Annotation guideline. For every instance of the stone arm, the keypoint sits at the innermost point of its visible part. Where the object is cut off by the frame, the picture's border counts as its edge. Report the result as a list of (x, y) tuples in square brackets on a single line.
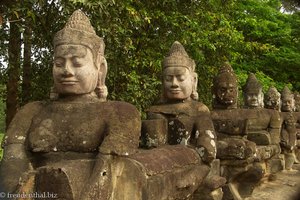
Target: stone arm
[(205, 137), (16, 161), (122, 131), (274, 130), (288, 133), (297, 118), (154, 130)]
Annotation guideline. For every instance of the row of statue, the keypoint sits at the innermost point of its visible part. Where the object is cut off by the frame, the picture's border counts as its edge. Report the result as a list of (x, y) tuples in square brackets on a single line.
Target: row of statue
[(79, 145)]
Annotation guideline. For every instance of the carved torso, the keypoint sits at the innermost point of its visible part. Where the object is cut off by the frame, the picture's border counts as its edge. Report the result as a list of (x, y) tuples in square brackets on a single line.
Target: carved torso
[(241, 131), (187, 113), (68, 127), (297, 120), (64, 126), (288, 131), (188, 123), (245, 121)]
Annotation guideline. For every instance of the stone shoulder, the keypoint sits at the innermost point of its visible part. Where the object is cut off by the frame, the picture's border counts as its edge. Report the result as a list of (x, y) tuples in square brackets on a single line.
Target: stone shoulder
[(122, 109), (18, 128), (192, 108)]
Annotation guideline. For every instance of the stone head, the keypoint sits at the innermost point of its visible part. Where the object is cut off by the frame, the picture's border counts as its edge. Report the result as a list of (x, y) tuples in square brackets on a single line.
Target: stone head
[(225, 88), (272, 99), (253, 94), (297, 101), (287, 99), (79, 63), (179, 77)]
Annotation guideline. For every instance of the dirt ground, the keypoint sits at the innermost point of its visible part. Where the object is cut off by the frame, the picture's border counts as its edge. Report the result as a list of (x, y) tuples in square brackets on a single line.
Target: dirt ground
[(284, 186)]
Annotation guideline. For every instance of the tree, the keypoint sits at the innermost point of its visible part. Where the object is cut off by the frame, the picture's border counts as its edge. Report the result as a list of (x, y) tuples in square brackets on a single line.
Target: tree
[(271, 46), (253, 35), (12, 85)]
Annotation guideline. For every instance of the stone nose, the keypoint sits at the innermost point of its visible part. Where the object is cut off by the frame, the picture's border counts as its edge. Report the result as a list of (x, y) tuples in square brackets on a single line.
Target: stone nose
[(254, 97), (68, 69), (174, 82)]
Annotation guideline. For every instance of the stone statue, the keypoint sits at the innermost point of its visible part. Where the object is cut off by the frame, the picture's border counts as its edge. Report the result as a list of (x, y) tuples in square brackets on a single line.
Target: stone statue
[(180, 119), (272, 99), (67, 141), (288, 131), (237, 154), (225, 88), (180, 109), (263, 125), (297, 121), (297, 101), (80, 146), (253, 94)]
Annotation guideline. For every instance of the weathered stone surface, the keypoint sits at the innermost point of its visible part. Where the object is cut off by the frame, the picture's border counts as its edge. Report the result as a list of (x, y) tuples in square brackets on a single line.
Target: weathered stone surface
[(177, 168), (154, 132), (247, 138), (272, 99), (286, 186), (225, 88), (266, 138), (80, 146), (166, 158), (183, 120), (288, 137), (188, 121), (252, 91), (71, 138)]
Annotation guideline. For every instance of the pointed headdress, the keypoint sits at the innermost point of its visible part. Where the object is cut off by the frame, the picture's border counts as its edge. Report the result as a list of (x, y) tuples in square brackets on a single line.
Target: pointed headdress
[(286, 93), (78, 30), (252, 84), (272, 93), (226, 74), (177, 56)]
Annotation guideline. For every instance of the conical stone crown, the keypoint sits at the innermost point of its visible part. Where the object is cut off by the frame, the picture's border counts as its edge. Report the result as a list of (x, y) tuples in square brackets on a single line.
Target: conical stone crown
[(252, 84), (79, 21), (225, 74), (177, 56), (286, 93), (79, 31), (272, 93)]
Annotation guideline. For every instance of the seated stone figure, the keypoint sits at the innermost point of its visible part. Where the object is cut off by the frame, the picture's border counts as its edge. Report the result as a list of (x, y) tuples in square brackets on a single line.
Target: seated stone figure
[(80, 146), (272, 99), (237, 154), (297, 118), (263, 125), (288, 131), (225, 97), (180, 118), (67, 139), (185, 120)]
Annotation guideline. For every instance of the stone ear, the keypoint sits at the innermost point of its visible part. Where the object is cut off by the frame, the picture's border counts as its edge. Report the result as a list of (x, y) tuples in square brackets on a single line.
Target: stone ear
[(194, 94), (101, 89)]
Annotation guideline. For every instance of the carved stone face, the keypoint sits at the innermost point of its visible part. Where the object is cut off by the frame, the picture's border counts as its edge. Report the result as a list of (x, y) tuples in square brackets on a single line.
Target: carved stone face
[(74, 71), (288, 104), (178, 83), (254, 99), (297, 102), (226, 93), (272, 102)]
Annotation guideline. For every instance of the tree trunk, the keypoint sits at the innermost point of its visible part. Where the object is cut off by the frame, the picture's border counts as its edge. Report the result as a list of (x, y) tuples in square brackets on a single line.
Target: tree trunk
[(14, 49), (26, 83)]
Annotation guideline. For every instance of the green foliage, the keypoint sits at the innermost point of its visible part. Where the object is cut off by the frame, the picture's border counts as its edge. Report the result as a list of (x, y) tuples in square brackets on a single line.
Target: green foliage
[(272, 41), (253, 35)]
